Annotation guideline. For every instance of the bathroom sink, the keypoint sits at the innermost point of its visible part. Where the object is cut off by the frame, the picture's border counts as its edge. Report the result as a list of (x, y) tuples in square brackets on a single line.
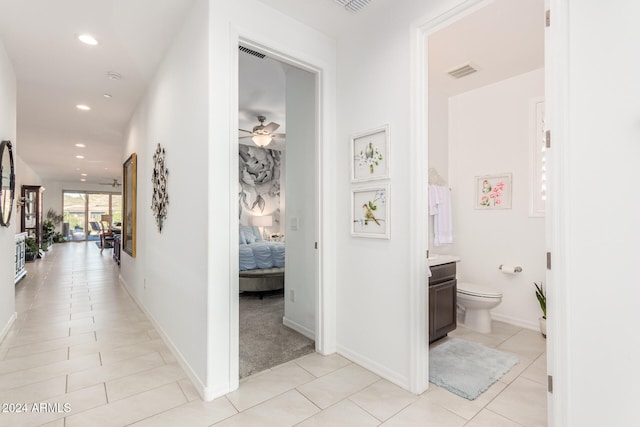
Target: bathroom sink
[(438, 259)]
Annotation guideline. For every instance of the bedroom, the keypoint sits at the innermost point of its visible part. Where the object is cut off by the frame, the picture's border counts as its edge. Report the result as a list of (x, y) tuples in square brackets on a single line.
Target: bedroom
[(276, 210)]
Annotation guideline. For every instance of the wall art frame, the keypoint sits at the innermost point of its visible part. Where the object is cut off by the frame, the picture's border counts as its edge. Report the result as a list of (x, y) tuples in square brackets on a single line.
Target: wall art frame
[(370, 212), (159, 179), (370, 155), (493, 191), (129, 201)]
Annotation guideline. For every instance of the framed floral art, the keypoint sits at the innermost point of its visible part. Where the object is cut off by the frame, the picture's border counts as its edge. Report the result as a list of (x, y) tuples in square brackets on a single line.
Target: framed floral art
[(370, 155), (493, 192), (370, 212)]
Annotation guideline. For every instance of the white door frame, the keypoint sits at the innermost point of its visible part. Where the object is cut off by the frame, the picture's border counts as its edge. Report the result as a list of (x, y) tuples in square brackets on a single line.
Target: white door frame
[(419, 244), (556, 71), (325, 304)]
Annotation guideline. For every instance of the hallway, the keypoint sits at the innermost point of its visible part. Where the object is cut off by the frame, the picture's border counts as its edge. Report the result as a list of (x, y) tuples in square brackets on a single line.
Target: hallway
[(84, 348)]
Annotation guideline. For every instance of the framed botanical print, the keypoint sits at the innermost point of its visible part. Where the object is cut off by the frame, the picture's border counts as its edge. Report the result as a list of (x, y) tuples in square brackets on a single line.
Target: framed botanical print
[(129, 174), (493, 192), (370, 212), (370, 155)]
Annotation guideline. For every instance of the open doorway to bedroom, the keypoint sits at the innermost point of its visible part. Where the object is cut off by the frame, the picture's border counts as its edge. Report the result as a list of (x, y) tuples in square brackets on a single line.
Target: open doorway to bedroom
[(277, 211)]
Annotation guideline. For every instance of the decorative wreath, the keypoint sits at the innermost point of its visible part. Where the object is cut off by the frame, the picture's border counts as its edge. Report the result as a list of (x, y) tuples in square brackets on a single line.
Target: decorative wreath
[(160, 199)]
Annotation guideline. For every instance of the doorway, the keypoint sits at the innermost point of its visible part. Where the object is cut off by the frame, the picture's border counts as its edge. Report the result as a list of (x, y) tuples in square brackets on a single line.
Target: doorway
[(278, 192), (437, 120)]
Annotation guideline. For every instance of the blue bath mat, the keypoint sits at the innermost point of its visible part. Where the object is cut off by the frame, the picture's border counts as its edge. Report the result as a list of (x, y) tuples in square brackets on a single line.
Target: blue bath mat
[(467, 368)]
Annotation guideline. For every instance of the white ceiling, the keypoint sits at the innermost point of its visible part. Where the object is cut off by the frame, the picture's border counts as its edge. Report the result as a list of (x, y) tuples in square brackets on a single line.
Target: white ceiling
[(55, 71), (262, 92), (501, 40)]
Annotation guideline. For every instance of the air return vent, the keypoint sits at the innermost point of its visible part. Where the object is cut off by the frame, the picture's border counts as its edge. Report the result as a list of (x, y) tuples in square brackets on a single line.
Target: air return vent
[(353, 5), (251, 52), (462, 71)]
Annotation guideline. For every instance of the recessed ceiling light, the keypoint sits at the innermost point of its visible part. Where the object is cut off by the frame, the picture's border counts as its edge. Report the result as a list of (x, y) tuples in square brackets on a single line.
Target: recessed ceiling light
[(83, 174), (80, 145), (83, 107), (88, 39), (107, 95), (82, 179), (79, 157), (114, 76)]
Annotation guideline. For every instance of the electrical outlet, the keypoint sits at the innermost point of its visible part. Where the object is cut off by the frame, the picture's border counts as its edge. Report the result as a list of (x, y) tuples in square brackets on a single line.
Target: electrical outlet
[(292, 295)]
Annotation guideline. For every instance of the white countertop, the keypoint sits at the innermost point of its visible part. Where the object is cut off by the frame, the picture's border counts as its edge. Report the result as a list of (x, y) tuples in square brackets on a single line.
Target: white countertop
[(438, 259)]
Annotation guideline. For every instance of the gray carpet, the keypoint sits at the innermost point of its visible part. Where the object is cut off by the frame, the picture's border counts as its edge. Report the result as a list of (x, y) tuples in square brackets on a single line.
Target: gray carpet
[(264, 341)]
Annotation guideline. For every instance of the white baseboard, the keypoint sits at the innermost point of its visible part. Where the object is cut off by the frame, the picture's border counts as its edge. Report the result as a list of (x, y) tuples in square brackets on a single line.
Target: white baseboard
[(206, 393), (299, 328), (376, 368), (7, 327), (516, 322)]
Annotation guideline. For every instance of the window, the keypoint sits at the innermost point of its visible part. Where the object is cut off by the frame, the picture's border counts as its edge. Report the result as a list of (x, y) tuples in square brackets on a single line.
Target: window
[(83, 210), (537, 159)]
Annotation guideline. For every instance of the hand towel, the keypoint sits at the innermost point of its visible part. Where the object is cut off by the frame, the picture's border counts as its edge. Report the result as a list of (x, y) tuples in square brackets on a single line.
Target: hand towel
[(440, 208)]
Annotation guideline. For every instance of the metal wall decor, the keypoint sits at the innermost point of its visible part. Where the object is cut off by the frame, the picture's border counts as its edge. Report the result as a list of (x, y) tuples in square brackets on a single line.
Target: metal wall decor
[(160, 199)]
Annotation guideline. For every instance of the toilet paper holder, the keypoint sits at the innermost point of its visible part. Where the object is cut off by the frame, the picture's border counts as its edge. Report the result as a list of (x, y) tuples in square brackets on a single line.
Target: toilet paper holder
[(510, 269)]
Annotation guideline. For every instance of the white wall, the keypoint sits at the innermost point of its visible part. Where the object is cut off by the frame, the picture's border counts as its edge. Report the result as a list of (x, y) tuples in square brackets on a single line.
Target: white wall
[(438, 154), (168, 277), (489, 134), (7, 234), (374, 287), (300, 267), (596, 138)]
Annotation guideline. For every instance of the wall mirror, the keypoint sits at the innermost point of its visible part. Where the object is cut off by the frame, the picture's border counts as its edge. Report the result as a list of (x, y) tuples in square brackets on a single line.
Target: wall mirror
[(8, 185)]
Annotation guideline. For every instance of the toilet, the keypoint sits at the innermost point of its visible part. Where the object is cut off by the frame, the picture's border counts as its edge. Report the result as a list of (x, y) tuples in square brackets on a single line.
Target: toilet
[(476, 301)]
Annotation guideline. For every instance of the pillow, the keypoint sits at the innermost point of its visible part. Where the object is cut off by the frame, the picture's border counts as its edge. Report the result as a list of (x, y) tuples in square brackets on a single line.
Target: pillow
[(250, 238), (256, 232), (251, 231), (243, 239)]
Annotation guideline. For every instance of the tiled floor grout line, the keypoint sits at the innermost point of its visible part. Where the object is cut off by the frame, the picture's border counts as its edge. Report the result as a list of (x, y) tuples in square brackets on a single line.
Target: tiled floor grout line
[(116, 310)]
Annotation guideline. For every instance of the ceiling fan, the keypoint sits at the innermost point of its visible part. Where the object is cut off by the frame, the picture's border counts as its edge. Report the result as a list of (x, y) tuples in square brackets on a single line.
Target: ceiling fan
[(262, 135), (114, 184)]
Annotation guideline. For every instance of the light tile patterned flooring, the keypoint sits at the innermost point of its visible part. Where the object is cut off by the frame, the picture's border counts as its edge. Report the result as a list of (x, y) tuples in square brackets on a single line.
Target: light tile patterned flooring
[(80, 340)]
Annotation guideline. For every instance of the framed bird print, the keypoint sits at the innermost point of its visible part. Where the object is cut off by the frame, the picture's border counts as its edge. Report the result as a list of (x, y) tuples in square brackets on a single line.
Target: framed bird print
[(370, 155), (370, 212)]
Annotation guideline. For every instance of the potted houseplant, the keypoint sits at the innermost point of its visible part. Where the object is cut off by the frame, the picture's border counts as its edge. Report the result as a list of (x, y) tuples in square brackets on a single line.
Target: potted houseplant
[(31, 249), (542, 299), (48, 231)]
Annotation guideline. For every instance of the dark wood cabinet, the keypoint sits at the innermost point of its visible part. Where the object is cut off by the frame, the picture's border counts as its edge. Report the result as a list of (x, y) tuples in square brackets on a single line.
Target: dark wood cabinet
[(442, 301), (31, 212)]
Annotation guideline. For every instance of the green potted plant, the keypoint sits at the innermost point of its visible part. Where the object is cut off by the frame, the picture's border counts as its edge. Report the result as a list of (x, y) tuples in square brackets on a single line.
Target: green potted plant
[(48, 231), (542, 299), (31, 249)]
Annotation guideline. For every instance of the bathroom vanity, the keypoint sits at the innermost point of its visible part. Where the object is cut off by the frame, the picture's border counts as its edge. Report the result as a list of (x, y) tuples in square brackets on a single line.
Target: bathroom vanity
[(442, 296)]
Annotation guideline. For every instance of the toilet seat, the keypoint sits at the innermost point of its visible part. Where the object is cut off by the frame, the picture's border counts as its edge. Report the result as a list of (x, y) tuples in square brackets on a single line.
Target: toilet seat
[(474, 290)]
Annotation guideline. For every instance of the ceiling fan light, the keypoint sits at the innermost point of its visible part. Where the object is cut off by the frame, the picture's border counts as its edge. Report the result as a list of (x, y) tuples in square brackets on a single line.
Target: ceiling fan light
[(261, 140)]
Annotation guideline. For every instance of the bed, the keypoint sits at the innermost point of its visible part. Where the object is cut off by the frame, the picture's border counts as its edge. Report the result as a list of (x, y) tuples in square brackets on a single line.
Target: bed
[(261, 262)]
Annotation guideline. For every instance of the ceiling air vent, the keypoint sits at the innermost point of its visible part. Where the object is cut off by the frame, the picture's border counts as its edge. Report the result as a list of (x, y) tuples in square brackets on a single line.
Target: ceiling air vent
[(251, 52), (353, 5), (461, 71)]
